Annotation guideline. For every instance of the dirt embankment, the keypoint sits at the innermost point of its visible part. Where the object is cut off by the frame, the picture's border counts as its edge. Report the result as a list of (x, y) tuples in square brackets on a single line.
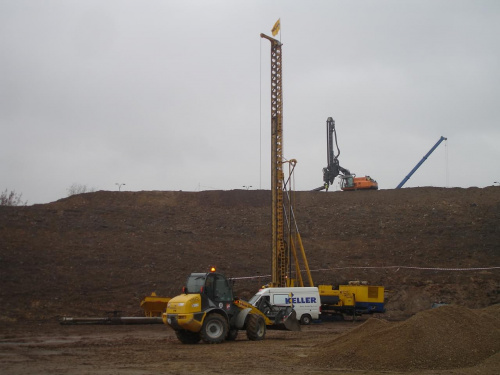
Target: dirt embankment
[(104, 251)]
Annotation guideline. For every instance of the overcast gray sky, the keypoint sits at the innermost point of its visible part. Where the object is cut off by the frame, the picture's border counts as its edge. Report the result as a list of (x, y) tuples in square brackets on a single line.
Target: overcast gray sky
[(174, 95)]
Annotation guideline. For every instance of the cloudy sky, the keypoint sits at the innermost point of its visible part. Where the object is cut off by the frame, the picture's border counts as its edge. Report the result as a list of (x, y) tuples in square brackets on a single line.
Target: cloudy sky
[(174, 95)]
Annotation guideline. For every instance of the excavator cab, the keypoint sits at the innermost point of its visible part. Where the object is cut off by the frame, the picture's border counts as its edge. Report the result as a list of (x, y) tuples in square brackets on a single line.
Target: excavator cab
[(351, 182), (347, 182)]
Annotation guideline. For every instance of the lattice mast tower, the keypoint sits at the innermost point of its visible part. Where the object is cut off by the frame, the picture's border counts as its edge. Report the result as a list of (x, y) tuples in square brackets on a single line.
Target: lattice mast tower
[(282, 251), (280, 258)]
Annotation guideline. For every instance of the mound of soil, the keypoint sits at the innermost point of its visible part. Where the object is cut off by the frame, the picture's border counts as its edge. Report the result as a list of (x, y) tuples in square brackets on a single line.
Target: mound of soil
[(443, 338), (104, 251)]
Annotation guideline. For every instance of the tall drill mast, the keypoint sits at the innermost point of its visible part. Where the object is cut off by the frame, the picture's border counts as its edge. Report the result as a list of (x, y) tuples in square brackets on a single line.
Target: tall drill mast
[(280, 258)]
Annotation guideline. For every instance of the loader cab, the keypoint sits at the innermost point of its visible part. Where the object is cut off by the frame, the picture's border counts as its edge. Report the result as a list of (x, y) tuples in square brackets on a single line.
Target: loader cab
[(212, 286)]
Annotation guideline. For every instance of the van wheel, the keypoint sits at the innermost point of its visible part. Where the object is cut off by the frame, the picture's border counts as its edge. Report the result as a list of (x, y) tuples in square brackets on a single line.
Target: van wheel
[(256, 327), (214, 329), (305, 319)]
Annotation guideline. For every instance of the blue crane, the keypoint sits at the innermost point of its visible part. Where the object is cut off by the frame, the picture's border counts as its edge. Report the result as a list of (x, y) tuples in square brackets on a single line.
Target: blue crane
[(420, 162)]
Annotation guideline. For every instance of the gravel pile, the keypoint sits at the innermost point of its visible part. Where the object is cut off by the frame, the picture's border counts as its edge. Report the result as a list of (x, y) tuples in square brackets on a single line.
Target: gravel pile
[(443, 338)]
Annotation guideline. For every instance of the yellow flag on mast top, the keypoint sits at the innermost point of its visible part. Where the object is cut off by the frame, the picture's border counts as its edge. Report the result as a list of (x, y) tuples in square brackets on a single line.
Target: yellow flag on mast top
[(276, 27)]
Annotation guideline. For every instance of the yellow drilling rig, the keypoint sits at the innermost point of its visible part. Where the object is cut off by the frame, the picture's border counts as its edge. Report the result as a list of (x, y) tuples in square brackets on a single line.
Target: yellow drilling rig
[(285, 235), (354, 298)]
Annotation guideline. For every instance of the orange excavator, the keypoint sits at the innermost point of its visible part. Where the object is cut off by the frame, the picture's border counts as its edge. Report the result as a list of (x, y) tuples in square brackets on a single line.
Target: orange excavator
[(348, 180)]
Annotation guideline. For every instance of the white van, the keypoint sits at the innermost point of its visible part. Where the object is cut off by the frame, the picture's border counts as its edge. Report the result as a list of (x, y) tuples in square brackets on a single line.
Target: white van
[(304, 300)]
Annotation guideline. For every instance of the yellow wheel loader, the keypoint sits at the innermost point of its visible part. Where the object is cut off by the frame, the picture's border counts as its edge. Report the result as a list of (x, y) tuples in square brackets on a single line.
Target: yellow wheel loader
[(208, 312)]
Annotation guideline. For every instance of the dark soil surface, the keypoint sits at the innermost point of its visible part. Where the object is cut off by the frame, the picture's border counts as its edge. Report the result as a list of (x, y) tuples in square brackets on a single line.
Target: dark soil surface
[(105, 251)]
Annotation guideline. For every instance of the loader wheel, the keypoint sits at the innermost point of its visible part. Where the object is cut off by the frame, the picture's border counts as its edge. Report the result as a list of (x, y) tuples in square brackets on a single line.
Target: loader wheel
[(256, 327), (215, 329), (188, 337), (232, 334)]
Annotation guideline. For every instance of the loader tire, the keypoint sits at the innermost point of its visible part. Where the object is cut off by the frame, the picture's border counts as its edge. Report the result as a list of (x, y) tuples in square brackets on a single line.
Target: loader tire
[(188, 337), (256, 327), (214, 329)]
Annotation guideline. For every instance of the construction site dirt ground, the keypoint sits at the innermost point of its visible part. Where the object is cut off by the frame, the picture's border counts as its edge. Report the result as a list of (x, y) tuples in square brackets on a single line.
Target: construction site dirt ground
[(154, 349), (93, 253)]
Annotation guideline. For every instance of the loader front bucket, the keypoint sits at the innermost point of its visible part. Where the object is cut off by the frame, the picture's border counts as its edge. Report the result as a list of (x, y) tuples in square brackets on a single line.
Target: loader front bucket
[(286, 320), (291, 323)]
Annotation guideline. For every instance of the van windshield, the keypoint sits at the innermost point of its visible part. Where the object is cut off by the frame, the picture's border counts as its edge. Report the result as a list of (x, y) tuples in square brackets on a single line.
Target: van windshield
[(254, 299)]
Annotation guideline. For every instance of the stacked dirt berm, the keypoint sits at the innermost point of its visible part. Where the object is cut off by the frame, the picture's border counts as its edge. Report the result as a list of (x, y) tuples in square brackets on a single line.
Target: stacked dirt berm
[(446, 337)]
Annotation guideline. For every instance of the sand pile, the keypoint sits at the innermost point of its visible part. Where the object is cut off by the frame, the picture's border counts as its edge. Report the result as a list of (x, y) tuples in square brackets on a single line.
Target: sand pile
[(443, 338)]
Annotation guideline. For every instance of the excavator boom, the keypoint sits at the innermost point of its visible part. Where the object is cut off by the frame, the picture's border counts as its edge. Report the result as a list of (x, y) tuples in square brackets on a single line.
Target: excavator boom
[(333, 168)]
